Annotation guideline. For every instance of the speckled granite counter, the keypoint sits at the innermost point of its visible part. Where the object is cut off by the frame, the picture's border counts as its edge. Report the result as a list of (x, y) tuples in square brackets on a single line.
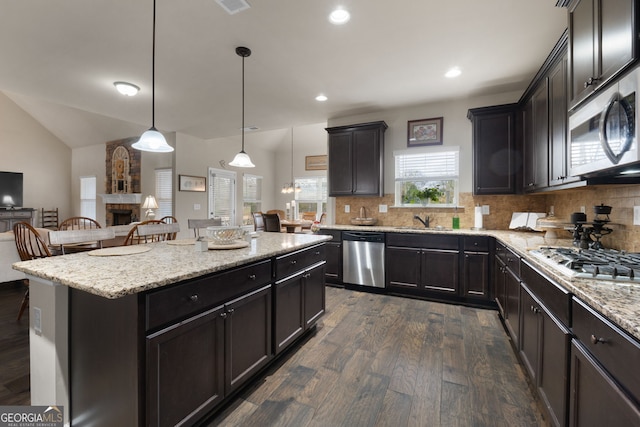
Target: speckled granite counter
[(618, 301), (164, 264)]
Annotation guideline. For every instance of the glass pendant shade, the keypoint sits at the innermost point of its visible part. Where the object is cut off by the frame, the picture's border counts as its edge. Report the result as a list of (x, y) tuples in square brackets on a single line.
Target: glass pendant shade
[(153, 141), (242, 160)]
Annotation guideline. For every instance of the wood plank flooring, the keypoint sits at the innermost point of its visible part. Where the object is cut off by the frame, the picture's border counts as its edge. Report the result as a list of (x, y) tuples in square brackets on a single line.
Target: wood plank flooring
[(373, 360)]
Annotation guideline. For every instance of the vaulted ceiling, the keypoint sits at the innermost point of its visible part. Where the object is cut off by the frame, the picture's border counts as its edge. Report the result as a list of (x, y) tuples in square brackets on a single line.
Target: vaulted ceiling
[(60, 59)]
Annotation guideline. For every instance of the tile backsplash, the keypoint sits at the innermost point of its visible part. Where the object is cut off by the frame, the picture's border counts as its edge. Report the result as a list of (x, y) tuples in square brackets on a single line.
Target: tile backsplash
[(622, 198)]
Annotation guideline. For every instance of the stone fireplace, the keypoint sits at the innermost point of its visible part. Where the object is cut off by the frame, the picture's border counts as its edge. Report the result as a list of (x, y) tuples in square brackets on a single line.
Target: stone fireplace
[(122, 199)]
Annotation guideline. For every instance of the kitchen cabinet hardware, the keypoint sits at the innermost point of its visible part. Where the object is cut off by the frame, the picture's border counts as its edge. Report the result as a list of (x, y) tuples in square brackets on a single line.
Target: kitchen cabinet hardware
[(223, 314), (595, 340), (591, 81), (194, 298), (251, 277)]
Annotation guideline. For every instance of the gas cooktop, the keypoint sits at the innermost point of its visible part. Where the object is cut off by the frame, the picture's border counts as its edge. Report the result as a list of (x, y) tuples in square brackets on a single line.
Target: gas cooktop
[(603, 264)]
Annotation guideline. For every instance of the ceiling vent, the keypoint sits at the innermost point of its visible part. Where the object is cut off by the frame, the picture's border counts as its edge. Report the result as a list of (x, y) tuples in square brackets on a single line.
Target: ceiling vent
[(233, 6)]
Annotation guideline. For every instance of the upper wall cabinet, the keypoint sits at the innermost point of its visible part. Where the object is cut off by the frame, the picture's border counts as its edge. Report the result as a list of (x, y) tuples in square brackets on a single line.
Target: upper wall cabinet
[(497, 162), (602, 42), (356, 157)]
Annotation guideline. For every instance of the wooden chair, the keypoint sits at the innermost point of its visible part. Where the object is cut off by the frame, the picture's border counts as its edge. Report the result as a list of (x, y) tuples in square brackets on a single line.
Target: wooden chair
[(170, 220), (258, 221), (151, 231), (323, 218), (49, 218), (80, 240), (197, 224), (272, 222), (79, 223), (280, 213), (30, 245)]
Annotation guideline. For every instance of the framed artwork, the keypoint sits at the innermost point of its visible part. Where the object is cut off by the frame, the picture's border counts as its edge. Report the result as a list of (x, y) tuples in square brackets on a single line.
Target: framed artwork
[(424, 132), (315, 163), (192, 183)]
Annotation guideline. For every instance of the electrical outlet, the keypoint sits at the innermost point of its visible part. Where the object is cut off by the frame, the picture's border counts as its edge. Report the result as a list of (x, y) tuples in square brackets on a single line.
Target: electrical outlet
[(37, 320), (382, 208), (486, 210), (347, 208), (636, 215), (583, 209), (196, 206)]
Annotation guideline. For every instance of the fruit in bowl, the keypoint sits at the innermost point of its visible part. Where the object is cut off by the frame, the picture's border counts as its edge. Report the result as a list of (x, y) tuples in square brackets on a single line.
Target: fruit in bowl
[(224, 235)]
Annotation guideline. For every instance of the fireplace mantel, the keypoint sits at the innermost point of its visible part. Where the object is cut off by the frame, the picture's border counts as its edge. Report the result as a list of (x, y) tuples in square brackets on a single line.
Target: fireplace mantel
[(122, 198)]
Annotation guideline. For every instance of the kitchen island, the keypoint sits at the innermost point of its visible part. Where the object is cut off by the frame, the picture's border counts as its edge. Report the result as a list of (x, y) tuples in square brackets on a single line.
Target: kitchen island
[(167, 335)]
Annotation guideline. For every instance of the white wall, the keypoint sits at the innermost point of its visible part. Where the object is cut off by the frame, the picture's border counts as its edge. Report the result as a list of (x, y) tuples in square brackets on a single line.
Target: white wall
[(29, 148)]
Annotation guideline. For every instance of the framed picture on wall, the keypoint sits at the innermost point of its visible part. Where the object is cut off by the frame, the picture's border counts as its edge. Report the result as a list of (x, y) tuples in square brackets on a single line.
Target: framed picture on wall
[(192, 183), (424, 132), (315, 163)]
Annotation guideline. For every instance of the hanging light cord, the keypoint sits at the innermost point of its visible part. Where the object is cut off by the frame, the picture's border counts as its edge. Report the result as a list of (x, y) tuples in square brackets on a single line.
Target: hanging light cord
[(243, 103), (153, 71), (292, 182)]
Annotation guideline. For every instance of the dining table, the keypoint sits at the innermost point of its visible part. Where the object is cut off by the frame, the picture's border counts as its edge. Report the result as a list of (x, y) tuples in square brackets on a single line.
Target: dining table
[(292, 225)]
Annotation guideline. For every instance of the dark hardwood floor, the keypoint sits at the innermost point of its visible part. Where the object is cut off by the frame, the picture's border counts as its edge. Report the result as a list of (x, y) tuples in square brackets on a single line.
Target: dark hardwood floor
[(373, 360)]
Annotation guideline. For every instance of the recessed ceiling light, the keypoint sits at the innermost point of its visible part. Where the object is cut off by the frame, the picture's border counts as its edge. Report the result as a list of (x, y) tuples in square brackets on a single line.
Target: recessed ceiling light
[(339, 16), (321, 98), (453, 72), (127, 89)]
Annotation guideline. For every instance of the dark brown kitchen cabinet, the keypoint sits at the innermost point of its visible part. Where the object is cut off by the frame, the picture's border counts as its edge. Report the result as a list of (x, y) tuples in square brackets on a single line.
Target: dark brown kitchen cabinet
[(439, 271), (536, 139), (497, 160), (356, 159), (507, 288), (333, 268), (602, 43), (476, 274), (194, 364)]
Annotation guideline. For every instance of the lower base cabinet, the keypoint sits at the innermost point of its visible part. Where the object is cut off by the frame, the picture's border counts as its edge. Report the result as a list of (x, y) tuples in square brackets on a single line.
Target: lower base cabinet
[(193, 365)]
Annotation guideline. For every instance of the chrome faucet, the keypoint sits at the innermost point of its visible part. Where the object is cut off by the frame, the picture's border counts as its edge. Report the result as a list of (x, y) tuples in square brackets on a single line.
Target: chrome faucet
[(424, 221)]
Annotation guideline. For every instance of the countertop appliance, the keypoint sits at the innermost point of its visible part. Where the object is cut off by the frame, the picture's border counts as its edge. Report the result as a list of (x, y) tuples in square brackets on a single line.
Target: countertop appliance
[(603, 132), (603, 264), (363, 258)]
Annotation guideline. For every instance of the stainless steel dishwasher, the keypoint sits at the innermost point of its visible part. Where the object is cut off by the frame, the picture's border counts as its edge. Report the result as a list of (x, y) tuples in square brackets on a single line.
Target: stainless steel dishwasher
[(363, 258)]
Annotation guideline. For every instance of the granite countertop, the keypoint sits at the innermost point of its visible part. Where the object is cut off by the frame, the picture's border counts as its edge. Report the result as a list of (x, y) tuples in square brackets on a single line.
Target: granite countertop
[(618, 301), (164, 264)]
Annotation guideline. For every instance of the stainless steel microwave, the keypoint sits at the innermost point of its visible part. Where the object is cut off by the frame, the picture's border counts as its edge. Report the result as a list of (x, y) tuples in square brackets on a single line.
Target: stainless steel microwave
[(603, 132)]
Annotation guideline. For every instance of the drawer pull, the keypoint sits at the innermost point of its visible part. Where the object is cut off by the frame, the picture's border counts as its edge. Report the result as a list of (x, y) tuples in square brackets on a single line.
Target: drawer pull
[(536, 310), (294, 262), (223, 315), (194, 298), (595, 340), (230, 311), (252, 277), (317, 252)]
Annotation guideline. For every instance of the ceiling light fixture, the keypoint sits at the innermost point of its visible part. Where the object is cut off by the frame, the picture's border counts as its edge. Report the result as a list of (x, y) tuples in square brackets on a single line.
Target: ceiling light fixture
[(127, 89), (242, 159), (321, 98), (453, 72), (290, 187), (152, 140), (339, 16)]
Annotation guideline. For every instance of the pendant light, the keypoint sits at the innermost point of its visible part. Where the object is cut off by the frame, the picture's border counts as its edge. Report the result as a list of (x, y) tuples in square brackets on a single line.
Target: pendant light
[(242, 160), (290, 187), (152, 140)]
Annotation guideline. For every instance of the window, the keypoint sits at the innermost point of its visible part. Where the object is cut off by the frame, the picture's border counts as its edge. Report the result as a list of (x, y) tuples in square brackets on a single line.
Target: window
[(222, 190), (421, 170), (88, 196), (164, 192), (251, 197), (312, 196)]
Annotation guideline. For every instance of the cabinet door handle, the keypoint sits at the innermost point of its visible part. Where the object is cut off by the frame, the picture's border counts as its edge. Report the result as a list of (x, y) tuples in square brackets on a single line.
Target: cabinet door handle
[(230, 311), (252, 277), (194, 298), (591, 81), (306, 276), (534, 309), (595, 340), (223, 315)]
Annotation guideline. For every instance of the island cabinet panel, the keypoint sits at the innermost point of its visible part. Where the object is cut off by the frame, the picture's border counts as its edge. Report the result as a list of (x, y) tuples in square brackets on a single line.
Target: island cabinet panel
[(299, 296), (333, 249), (439, 272), (186, 369), (356, 159), (476, 274), (507, 288)]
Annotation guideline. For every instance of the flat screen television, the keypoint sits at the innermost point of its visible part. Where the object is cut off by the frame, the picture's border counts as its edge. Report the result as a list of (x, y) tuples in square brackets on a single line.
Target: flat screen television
[(11, 189)]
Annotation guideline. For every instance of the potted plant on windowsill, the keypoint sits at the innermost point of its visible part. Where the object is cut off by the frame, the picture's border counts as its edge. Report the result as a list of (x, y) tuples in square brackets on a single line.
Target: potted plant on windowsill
[(425, 196)]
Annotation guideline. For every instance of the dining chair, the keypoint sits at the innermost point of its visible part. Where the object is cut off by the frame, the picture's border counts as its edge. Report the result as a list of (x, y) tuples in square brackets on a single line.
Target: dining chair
[(272, 222), (280, 213), (170, 220), (323, 218), (80, 240), (30, 245), (151, 231), (197, 224), (49, 218), (79, 223), (309, 216), (258, 221)]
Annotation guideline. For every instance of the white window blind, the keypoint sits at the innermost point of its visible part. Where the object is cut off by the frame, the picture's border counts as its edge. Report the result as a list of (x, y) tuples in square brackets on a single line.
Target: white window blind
[(437, 165), (252, 197), (164, 192), (222, 195), (88, 196)]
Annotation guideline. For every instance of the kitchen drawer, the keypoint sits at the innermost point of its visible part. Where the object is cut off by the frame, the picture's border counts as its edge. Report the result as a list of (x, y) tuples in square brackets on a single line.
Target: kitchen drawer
[(184, 299), (554, 297), (428, 241), (289, 264), (336, 234), (616, 351), (508, 257), (476, 243)]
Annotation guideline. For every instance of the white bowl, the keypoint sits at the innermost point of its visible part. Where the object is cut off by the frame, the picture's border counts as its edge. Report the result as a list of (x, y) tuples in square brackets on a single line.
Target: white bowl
[(224, 235)]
